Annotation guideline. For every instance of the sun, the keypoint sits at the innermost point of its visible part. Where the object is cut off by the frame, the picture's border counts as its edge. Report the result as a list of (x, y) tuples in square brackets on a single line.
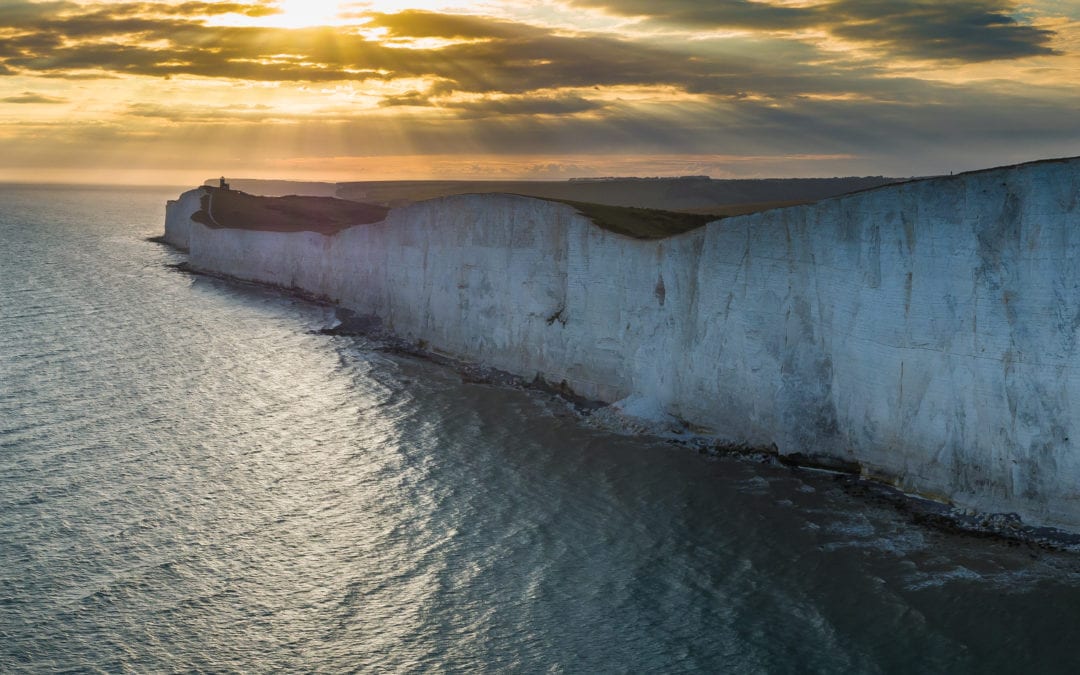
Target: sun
[(310, 13), (304, 13)]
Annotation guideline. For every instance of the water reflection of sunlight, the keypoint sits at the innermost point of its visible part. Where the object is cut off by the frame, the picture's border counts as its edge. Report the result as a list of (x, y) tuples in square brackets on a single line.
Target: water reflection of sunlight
[(322, 472)]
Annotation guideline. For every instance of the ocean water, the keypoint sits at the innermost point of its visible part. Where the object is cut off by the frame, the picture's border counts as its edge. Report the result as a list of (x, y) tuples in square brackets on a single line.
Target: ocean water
[(193, 480)]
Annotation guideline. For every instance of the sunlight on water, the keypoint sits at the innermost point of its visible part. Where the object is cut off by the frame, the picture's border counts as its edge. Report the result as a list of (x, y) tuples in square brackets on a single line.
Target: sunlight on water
[(192, 479)]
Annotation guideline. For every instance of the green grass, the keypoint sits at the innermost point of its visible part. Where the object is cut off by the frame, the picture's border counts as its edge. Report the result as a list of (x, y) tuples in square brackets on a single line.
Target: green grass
[(640, 223), (740, 209), (203, 214), (325, 215)]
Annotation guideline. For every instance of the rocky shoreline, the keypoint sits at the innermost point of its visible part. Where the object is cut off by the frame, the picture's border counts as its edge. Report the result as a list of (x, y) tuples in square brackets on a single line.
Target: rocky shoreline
[(1007, 527)]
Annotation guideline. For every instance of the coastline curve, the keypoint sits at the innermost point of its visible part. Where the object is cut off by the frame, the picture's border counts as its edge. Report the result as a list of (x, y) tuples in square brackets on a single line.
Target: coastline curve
[(925, 332)]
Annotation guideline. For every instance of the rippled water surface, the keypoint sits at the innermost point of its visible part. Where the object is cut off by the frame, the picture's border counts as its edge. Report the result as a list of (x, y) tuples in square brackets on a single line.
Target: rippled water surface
[(190, 479)]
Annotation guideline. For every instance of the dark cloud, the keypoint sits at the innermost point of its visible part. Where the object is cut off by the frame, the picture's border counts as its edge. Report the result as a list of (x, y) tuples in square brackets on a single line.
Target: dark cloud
[(29, 43), (262, 8), (528, 105), (961, 30), (522, 88), (62, 39), (746, 14), (204, 114), (502, 106), (16, 12), (411, 98), (31, 97), (507, 59), (948, 30), (418, 23), (70, 18), (227, 62)]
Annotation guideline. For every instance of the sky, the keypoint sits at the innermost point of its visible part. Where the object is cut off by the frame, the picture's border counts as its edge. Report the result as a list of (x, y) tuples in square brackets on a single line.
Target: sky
[(174, 92)]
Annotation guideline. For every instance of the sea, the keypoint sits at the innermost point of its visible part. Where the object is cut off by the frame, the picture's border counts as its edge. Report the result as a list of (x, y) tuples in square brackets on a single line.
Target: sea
[(194, 479)]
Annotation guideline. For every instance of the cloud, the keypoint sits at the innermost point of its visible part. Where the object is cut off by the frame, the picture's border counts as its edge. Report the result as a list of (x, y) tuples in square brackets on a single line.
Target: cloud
[(411, 98), (527, 105), (253, 9), (413, 23), (489, 56), (511, 58), (13, 11), (31, 97), (466, 84), (206, 114), (745, 14), (961, 30), (502, 106), (947, 30), (963, 129)]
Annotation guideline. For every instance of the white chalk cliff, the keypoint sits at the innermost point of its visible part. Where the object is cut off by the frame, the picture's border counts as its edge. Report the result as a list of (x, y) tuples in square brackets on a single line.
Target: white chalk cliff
[(927, 331)]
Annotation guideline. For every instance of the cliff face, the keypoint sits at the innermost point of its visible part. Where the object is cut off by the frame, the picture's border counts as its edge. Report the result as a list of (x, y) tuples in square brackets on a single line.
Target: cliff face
[(927, 331), (178, 221)]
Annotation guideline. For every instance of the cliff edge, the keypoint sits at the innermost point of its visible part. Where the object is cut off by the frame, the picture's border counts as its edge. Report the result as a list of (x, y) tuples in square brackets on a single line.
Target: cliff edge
[(926, 332)]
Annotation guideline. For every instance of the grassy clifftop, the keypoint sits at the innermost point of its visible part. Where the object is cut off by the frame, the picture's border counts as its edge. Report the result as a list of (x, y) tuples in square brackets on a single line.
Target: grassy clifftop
[(328, 215), (640, 223), (325, 215), (695, 194), (643, 208)]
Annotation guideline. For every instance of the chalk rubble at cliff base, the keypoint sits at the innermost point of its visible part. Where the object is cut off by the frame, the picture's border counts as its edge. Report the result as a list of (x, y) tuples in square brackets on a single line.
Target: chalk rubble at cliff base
[(925, 332)]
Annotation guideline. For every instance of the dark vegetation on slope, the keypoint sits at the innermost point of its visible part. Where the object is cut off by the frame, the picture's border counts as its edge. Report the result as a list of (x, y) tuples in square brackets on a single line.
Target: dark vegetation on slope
[(292, 213), (643, 208), (691, 193), (327, 215), (640, 223)]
